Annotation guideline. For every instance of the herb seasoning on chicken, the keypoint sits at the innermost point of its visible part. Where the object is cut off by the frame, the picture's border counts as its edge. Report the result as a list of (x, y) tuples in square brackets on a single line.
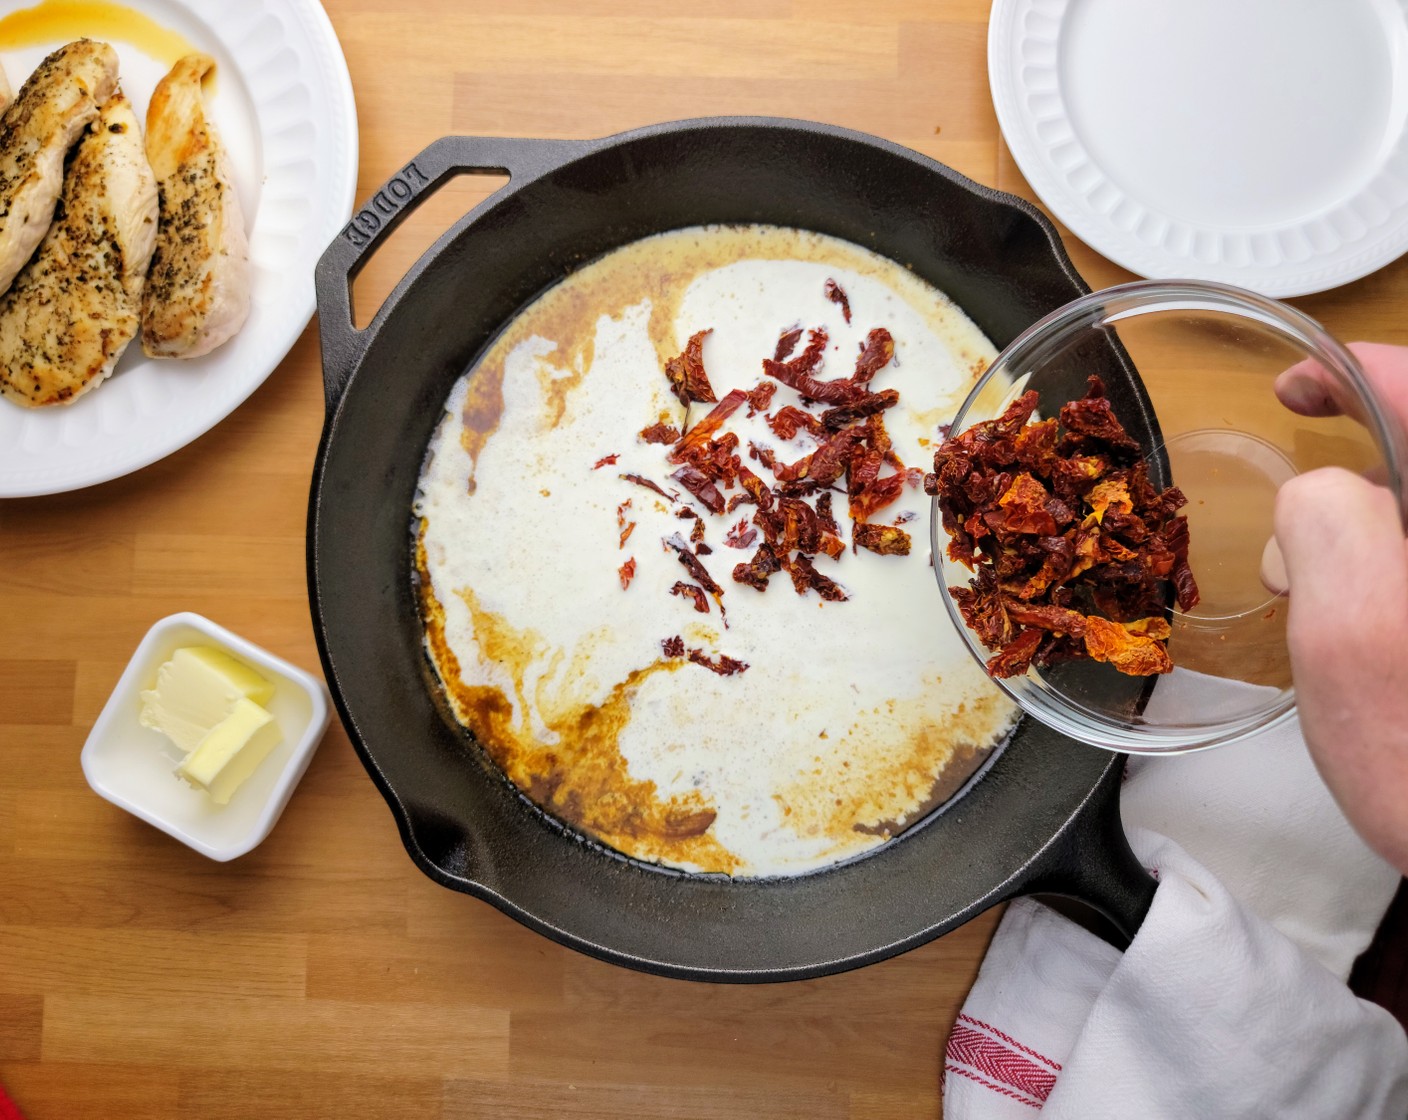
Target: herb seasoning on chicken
[(197, 294), (72, 310), (54, 106)]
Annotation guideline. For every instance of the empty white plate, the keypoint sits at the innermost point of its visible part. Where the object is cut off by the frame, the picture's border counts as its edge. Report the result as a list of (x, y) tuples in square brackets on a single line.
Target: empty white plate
[(1257, 142)]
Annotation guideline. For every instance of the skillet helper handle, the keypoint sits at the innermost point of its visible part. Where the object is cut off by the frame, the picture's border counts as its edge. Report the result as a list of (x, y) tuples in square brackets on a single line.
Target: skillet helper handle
[(1093, 863), (342, 343)]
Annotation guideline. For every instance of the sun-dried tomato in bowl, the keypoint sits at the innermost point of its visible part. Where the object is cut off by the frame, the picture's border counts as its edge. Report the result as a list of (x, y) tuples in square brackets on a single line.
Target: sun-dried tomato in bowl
[(1075, 553)]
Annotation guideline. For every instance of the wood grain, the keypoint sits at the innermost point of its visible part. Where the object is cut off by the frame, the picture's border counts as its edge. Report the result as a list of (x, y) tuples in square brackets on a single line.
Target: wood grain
[(323, 975)]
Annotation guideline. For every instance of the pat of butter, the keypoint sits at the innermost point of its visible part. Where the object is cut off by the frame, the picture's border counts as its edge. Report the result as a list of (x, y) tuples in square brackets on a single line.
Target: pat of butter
[(232, 751), (196, 690)]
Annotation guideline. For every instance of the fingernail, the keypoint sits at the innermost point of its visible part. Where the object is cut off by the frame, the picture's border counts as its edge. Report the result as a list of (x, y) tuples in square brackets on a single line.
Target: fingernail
[(1305, 396), (1273, 568)]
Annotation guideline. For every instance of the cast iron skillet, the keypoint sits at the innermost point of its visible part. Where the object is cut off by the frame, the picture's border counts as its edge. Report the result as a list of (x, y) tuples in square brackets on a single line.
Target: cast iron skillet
[(1044, 815)]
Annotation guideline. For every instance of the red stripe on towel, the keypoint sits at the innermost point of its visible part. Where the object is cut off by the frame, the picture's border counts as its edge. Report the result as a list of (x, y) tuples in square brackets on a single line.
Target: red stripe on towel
[(999, 1061), (1009, 1039), (995, 1088)]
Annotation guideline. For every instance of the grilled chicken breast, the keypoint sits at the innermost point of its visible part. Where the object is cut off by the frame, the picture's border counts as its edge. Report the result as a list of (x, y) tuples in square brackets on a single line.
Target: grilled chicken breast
[(75, 306), (6, 93), (54, 105), (197, 295)]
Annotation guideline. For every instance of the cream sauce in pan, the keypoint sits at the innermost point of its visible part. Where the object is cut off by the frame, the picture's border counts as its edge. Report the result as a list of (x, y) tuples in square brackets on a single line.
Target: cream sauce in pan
[(852, 719)]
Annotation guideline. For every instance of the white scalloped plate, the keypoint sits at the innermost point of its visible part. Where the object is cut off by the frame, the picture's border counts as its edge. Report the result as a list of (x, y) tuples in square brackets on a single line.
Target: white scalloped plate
[(1261, 143), (283, 104)]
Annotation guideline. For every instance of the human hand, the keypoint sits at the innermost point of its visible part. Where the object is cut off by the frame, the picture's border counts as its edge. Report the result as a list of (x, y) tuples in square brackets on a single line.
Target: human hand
[(1347, 567)]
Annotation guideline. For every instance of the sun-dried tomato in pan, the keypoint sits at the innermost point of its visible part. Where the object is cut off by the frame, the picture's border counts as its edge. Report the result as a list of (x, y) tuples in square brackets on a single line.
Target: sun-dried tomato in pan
[(1075, 553), (852, 455), (686, 373)]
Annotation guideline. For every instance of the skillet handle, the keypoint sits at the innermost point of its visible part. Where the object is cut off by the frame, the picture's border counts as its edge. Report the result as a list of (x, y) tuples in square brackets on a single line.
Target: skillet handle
[(342, 343), (1091, 861)]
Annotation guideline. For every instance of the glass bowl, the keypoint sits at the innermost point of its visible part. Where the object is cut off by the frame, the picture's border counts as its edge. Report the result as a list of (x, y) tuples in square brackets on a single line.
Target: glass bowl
[(1191, 369)]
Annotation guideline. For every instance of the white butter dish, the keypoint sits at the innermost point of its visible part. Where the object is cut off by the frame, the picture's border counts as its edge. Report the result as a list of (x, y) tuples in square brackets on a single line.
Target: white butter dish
[(134, 767)]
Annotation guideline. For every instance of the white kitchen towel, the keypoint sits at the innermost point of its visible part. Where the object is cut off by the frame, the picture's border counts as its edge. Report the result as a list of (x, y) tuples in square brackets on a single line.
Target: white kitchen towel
[(1231, 1002)]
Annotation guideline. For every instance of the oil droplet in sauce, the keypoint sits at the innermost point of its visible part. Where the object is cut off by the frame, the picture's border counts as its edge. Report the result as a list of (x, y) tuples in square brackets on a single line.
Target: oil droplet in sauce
[(56, 21)]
